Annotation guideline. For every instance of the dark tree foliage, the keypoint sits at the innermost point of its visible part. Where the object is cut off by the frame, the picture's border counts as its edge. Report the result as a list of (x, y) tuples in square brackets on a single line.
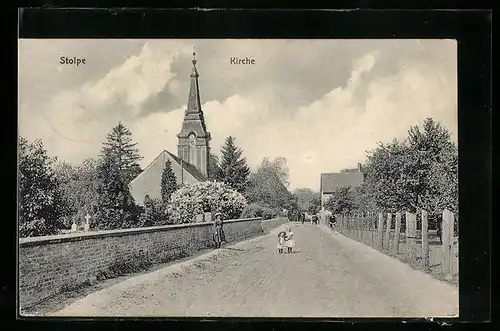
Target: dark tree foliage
[(154, 213), (214, 169), (234, 168), (168, 182), (117, 167), (40, 200)]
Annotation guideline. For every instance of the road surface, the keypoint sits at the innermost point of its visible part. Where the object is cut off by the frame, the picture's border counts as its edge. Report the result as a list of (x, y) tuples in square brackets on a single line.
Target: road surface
[(328, 276)]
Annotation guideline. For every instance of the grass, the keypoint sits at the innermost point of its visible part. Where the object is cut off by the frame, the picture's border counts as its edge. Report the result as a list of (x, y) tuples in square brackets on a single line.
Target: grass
[(435, 255)]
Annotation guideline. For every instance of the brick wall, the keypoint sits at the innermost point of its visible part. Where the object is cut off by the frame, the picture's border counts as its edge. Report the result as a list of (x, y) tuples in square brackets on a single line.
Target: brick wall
[(51, 264)]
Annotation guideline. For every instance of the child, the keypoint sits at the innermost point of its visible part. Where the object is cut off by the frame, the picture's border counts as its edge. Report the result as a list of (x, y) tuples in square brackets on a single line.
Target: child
[(281, 241), (289, 241)]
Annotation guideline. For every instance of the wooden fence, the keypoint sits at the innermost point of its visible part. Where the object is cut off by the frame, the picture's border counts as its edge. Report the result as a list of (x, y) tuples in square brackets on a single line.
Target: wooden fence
[(407, 237)]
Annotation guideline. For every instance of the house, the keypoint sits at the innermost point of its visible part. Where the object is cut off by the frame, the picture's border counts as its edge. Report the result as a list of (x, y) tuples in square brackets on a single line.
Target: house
[(329, 182), (191, 163)]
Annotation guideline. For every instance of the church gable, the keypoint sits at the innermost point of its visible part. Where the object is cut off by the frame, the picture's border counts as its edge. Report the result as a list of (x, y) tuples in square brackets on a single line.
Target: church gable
[(149, 181)]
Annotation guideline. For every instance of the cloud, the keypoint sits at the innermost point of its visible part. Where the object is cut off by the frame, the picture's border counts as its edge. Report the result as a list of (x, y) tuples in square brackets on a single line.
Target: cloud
[(296, 106), (74, 122)]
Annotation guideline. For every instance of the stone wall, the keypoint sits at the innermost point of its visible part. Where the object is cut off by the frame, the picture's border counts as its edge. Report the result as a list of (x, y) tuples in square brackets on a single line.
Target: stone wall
[(268, 225), (52, 264)]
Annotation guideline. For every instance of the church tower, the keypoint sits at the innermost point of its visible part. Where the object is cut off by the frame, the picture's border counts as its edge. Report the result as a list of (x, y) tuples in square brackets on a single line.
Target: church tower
[(194, 139)]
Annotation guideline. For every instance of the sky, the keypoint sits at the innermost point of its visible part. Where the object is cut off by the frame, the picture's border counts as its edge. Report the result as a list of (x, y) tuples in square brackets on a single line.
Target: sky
[(321, 104)]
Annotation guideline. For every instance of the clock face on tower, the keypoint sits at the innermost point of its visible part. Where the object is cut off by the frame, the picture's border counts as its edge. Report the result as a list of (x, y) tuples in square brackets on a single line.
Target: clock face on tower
[(192, 139)]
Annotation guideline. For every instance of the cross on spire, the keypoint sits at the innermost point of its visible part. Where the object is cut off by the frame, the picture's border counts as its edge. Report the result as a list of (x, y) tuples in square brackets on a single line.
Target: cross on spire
[(194, 56)]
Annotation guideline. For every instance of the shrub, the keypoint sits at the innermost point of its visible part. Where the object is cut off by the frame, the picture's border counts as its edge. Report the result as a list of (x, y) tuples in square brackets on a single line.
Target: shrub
[(256, 210), (155, 213), (191, 200)]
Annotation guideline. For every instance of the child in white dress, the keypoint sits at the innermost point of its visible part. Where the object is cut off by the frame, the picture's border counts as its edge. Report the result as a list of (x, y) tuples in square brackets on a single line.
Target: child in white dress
[(281, 241), (289, 240)]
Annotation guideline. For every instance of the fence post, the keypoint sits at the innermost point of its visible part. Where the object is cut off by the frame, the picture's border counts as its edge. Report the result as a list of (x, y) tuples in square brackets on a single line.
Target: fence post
[(447, 234), (355, 227), (358, 217), (388, 231), (397, 230), (411, 234), (365, 226), (372, 229), (425, 239), (380, 230)]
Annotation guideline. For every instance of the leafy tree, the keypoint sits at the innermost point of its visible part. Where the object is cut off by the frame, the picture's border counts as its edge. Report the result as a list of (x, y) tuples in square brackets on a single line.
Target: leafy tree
[(363, 201), (214, 169), (168, 182), (314, 205), (40, 200), (306, 198), (417, 173), (79, 185), (341, 201), (267, 186), (437, 174), (388, 176), (117, 167), (234, 169)]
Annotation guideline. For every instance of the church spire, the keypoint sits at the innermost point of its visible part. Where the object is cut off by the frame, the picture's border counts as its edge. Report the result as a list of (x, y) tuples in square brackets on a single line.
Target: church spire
[(194, 103), (194, 139)]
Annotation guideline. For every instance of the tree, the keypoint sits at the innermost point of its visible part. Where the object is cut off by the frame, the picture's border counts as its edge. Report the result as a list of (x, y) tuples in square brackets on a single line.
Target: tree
[(234, 169), (40, 201), (307, 199), (168, 182), (437, 174), (267, 188), (214, 169), (79, 185), (314, 205), (117, 167), (417, 173), (341, 201), (122, 152)]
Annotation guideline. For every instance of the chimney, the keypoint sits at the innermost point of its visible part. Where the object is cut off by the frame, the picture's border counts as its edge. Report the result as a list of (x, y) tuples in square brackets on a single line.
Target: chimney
[(359, 167)]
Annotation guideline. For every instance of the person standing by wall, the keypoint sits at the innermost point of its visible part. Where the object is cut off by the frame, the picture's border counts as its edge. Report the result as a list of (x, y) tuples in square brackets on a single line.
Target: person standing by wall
[(219, 227)]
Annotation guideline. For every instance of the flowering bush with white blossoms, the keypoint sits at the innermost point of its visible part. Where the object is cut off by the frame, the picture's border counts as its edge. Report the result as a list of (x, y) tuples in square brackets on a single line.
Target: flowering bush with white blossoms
[(191, 200)]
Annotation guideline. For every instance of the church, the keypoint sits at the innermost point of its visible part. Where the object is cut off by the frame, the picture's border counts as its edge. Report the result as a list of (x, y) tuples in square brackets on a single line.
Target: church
[(190, 165)]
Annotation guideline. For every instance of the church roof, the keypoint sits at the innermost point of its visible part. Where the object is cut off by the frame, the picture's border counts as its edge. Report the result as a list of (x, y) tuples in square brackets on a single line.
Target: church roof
[(148, 182), (332, 181), (191, 169)]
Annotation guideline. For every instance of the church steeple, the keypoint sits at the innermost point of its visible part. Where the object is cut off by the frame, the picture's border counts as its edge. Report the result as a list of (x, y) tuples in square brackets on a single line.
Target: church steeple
[(194, 103), (194, 138)]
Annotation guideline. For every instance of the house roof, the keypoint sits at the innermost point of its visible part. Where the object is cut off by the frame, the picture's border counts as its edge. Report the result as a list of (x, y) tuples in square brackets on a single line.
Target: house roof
[(332, 181)]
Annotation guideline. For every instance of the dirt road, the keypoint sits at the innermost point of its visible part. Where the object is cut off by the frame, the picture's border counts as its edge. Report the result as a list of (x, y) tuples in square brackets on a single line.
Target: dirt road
[(328, 276)]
